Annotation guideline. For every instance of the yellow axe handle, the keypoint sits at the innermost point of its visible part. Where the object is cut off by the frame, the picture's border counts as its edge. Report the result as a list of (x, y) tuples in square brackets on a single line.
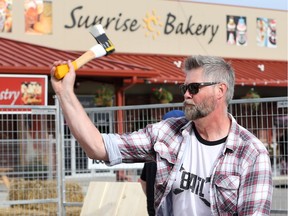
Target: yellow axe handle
[(94, 52)]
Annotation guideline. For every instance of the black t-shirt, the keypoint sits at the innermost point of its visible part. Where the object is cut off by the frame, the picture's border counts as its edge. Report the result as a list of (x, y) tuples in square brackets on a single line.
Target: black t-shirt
[(148, 174)]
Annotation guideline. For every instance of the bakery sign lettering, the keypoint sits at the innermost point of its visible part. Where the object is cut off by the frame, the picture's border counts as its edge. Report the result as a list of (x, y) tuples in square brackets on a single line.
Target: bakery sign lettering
[(169, 25), (23, 90)]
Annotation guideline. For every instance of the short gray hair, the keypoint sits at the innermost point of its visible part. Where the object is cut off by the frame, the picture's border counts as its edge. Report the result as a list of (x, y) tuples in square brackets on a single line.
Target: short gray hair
[(215, 69)]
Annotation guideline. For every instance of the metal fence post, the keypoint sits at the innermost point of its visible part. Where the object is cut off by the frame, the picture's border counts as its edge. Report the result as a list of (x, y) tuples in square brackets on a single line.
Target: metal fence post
[(59, 124)]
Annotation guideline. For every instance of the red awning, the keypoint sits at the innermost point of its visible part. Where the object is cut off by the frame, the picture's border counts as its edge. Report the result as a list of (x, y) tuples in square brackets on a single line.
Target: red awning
[(23, 58)]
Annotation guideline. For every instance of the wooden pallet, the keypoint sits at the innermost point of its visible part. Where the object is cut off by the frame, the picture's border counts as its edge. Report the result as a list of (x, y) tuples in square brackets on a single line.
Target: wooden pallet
[(114, 198)]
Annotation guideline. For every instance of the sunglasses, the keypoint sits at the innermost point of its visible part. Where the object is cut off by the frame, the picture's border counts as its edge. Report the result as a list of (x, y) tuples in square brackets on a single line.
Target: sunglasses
[(193, 88)]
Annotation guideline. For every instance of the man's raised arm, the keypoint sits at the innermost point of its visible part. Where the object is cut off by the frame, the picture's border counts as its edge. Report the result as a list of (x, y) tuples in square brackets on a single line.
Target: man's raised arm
[(77, 119)]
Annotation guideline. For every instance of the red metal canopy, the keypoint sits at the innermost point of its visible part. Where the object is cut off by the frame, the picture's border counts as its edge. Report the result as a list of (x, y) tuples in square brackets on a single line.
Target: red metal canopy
[(23, 58)]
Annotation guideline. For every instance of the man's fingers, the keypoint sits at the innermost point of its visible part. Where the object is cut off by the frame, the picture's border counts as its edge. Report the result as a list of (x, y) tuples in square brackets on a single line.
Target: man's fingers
[(55, 64), (70, 65)]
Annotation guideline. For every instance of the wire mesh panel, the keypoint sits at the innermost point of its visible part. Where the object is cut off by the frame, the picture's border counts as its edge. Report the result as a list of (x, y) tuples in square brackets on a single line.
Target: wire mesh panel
[(28, 163), (268, 120)]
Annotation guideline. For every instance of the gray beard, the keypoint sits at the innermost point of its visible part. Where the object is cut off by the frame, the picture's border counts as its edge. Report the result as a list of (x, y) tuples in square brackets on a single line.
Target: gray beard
[(197, 111)]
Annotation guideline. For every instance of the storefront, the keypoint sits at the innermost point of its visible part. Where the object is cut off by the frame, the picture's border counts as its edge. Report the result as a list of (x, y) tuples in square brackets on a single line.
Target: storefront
[(151, 38)]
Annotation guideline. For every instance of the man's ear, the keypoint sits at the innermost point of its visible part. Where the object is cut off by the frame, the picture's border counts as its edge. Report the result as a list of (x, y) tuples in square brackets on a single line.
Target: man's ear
[(221, 90)]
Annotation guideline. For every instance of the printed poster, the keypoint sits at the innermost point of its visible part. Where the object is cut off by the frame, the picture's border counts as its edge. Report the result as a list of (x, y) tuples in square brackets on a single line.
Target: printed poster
[(38, 16), (236, 27), (5, 15), (266, 32)]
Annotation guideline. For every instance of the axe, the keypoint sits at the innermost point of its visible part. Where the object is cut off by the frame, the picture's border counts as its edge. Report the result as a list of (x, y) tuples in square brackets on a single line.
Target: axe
[(104, 47)]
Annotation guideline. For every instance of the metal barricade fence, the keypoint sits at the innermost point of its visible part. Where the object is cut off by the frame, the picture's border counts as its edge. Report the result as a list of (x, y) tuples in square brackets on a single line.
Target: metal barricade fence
[(45, 172), (28, 162)]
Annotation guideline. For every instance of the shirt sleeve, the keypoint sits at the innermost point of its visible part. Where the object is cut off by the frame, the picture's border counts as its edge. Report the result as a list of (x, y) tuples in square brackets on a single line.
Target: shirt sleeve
[(113, 151), (255, 194), (131, 147)]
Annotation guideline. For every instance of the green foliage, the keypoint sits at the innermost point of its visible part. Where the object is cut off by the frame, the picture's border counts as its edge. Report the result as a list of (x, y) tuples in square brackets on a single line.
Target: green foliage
[(104, 95), (162, 94), (251, 94)]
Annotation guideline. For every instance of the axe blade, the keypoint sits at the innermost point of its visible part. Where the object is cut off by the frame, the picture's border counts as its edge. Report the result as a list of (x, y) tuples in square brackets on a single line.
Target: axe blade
[(98, 33)]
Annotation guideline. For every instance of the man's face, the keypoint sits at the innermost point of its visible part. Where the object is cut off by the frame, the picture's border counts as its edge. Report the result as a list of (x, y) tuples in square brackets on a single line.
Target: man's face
[(201, 104)]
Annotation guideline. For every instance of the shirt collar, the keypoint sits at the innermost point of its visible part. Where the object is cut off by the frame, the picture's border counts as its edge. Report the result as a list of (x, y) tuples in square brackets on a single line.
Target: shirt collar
[(232, 139)]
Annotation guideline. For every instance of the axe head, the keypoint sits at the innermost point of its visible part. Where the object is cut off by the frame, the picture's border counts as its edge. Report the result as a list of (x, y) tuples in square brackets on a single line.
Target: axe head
[(99, 34)]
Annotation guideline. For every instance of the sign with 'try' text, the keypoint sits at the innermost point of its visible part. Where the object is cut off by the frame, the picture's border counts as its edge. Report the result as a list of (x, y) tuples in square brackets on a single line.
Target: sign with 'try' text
[(23, 89)]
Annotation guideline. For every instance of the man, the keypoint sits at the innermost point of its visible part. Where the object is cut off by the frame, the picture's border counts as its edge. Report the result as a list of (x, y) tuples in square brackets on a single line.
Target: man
[(207, 164), (148, 174)]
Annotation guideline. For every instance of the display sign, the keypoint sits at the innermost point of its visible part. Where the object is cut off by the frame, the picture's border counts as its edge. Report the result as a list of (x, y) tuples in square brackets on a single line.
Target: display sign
[(23, 90), (100, 165), (174, 27)]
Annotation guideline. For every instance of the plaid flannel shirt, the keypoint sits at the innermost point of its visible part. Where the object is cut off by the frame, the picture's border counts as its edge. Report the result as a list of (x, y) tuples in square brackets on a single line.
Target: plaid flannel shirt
[(241, 180)]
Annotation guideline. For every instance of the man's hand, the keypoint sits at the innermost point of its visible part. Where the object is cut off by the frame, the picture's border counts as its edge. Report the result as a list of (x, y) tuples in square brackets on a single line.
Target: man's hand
[(67, 83)]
